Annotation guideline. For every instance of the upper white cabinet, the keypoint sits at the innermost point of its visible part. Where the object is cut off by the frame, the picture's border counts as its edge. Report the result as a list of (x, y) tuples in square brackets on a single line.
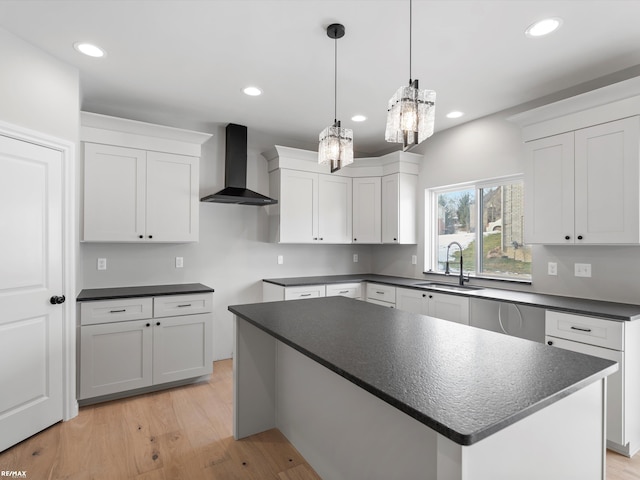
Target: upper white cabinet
[(137, 187), (367, 210), (314, 207), (399, 198), (583, 186), (357, 204)]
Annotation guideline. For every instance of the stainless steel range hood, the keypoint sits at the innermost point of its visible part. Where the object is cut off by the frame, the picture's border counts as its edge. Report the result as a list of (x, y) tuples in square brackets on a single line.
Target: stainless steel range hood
[(235, 175)]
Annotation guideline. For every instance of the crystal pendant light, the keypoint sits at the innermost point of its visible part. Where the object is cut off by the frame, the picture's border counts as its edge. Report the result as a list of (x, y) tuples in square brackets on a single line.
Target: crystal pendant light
[(411, 111), (336, 143)]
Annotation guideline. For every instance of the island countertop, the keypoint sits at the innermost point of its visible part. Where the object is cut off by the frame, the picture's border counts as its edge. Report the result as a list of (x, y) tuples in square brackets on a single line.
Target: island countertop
[(462, 382)]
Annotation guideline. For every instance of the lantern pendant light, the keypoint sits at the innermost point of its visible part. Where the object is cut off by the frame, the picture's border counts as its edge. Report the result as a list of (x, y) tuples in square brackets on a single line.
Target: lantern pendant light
[(411, 111), (336, 143)]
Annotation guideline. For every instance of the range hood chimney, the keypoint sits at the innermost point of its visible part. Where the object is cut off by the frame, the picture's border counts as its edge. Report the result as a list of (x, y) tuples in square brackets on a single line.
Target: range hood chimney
[(235, 174)]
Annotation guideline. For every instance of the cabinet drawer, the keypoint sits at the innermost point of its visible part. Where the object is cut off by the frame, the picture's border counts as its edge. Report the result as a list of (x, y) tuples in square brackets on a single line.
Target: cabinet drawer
[(381, 303), (120, 310), (310, 291), (351, 290), (589, 330), (384, 293), (174, 305)]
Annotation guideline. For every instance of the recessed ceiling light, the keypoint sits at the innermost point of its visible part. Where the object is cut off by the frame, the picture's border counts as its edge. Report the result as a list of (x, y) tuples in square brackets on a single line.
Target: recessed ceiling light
[(543, 27), (455, 114), (252, 91), (358, 118), (89, 49)]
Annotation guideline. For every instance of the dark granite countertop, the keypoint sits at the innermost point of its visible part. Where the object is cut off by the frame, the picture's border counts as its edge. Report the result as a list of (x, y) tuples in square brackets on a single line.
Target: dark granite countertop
[(463, 382), (581, 306), (93, 294)]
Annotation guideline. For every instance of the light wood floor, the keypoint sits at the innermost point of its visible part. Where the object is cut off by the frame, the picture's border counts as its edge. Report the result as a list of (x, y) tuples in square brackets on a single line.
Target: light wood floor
[(183, 433)]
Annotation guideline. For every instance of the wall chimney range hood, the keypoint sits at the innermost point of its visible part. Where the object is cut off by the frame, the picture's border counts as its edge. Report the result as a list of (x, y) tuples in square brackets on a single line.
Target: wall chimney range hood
[(235, 175)]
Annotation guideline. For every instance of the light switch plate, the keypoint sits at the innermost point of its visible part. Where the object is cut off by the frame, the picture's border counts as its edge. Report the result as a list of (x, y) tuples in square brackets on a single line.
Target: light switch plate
[(179, 262), (582, 269), (552, 268), (280, 259), (414, 259), (355, 258), (102, 264)]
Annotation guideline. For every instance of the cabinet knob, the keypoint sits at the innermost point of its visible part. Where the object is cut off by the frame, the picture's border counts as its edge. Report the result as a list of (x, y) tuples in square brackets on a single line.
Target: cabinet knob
[(424, 295), (567, 237), (148, 325), (315, 238), (549, 342), (158, 323), (395, 239), (150, 236), (57, 299), (430, 296), (579, 237), (141, 236), (355, 239), (321, 238)]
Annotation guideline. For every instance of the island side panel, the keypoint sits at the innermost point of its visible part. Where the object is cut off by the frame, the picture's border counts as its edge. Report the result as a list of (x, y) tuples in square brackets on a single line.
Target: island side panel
[(566, 440), (344, 431), (253, 380)]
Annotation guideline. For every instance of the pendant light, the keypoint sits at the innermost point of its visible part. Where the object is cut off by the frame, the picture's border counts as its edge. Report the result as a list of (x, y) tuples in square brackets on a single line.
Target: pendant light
[(336, 143), (411, 111)]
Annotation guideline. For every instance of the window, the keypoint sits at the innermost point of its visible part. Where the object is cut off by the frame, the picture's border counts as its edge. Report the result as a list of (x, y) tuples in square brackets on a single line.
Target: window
[(486, 220)]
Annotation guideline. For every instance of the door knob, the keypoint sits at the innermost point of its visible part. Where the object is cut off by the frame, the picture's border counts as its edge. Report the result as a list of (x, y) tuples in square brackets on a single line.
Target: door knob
[(57, 299)]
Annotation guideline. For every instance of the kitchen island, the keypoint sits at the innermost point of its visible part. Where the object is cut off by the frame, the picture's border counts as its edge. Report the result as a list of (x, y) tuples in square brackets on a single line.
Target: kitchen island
[(364, 391)]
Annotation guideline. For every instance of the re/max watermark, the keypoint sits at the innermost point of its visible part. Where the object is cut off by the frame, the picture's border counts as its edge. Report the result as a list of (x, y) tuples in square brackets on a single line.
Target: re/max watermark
[(13, 473)]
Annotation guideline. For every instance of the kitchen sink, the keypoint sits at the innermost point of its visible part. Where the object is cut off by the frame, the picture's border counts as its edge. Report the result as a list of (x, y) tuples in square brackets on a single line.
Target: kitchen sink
[(447, 286)]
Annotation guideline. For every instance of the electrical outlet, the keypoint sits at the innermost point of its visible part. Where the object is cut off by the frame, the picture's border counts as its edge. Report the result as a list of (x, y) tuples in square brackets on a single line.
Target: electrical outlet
[(552, 268), (582, 269), (280, 259), (102, 264), (355, 258), (179, 262), (414, 259)]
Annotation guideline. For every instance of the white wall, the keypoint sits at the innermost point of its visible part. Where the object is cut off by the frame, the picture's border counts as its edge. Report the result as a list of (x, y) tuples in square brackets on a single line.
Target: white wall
[(233, 254), (492, 147)]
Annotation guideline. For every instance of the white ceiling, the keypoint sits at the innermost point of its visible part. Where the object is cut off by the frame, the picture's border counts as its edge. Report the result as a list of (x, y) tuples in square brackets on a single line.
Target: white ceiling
[(187, 61)]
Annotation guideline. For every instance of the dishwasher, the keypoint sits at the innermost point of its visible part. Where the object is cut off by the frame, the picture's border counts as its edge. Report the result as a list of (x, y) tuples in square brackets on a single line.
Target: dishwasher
[(522, 321), (602, 338)]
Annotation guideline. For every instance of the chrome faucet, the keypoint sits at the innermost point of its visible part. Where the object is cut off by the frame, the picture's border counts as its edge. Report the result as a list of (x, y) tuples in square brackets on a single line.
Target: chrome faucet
[(447, 271)]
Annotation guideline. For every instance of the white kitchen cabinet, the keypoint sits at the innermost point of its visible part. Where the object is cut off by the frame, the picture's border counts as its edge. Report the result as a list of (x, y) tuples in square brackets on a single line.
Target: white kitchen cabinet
[(307, 291), (128, 353), (615, 341), (583, 187), (399, 199), (454, 308), (133, 195), (314, 207), (350, 290), (381, 294), (367, 210)]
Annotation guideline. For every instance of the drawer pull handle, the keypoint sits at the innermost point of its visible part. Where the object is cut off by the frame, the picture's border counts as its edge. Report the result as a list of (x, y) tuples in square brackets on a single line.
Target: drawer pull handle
[(380, 293), (588, 330), (118, 311), (305, 294), (344, 291), (184, 305)]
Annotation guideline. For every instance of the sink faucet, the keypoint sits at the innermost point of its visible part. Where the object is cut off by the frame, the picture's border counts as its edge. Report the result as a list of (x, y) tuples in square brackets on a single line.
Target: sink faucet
[(447, 271)]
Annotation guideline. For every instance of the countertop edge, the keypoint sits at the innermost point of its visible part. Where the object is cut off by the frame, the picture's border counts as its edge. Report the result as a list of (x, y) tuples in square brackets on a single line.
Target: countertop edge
[(114, 293)]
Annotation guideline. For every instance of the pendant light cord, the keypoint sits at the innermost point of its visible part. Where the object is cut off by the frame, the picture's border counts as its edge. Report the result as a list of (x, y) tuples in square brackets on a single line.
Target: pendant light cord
[(335, 83), (410, 29)]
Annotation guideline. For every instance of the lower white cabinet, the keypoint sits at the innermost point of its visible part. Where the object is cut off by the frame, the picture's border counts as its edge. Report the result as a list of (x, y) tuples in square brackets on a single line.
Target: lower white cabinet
[(615, 341), (454, 308), (274, 293), (381, 294), (120, 355), (350, 290)]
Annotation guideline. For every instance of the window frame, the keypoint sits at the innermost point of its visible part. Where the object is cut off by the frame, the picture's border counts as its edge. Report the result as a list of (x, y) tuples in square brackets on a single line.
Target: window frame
[(431, 230)]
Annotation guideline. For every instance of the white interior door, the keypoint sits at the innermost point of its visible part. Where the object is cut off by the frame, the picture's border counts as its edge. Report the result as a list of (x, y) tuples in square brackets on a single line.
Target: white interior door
[(31, 256)]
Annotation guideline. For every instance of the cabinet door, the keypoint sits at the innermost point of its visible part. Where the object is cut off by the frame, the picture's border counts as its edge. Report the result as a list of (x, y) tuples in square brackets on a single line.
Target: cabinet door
[(351, 290), (414, 301), (549, 190), (298, 207), (114, 193), (615, 385), (607, 183), (115, 357), (309, 291), (367, 210), (390, 208), (182, 347), (172, 198), (449, 307), (334, 209)]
